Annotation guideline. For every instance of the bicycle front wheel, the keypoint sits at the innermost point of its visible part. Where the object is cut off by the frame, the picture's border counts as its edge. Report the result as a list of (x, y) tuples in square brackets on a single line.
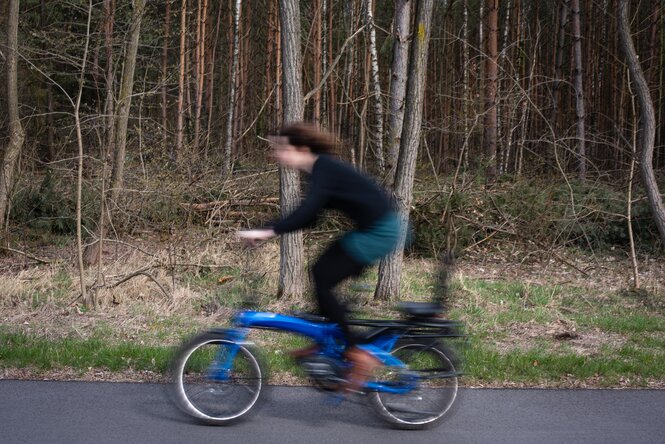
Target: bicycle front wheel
[(436, 392), (215, 380)]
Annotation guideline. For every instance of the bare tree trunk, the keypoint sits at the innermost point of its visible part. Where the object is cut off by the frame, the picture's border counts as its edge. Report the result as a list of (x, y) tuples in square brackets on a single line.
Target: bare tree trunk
[(390, 268), (398, 74), (661, 86), (558, 64), (93, 252), (316, 56), (211, 81), (491, 70), (109, 107), (503, 110), (629, 197), (325, 30), (347, 87), (199, 68), (181, 86), (579, 89), (90, 302), (291, 269), (50, 125), (377, 134), (125, 99), (232, 87), (647, 118), (279, 107), (467, 85), (16, 133), (165, 61)]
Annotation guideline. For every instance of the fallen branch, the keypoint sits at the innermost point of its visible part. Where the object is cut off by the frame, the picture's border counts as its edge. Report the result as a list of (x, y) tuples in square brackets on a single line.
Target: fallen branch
[(141, 273), (28, 255), (269, 201)]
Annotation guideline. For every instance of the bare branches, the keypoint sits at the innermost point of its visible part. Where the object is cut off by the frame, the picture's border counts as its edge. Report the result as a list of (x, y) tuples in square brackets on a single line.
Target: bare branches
[(28, 255)]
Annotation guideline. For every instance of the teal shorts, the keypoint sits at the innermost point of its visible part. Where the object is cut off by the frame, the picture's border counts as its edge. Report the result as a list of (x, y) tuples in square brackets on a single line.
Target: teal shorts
[(370, 245)]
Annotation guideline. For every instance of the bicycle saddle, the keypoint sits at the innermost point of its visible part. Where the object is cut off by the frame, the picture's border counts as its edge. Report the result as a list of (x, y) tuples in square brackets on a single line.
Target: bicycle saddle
[(421, 309)]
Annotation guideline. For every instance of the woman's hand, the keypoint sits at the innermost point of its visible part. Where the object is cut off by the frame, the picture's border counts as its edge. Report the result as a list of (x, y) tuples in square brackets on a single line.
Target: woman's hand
[(252, 236)]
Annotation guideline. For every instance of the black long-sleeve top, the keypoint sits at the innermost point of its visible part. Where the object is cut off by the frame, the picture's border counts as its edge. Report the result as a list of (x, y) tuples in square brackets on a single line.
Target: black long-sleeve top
[(336, 185)]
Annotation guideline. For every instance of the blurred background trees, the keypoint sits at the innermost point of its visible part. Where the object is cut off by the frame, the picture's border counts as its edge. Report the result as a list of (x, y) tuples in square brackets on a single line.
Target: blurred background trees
[(173, 112)]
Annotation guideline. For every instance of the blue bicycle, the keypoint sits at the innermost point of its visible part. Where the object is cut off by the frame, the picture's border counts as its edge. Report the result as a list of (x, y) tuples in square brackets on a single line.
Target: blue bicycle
[(218, 378)]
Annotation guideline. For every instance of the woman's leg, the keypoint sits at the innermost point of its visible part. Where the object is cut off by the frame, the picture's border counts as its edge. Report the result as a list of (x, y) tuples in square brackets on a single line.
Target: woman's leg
[(333, 267)]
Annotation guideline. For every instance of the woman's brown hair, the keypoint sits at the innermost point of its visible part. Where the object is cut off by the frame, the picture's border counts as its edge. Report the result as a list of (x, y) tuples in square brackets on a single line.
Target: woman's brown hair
[(311, 136)]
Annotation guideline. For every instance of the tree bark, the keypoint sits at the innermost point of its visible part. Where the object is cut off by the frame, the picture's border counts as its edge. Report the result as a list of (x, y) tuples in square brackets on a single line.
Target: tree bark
[(579, 90), (88, 301), (316, 56), (647, 121), (109, 106), (165, 61), (291, 269), (377, 133), (491, 70), (398, 75), (93, 252), (390, 268), (181, 86), (232, 88), (467, 85), (558, 63), (16, 133), (125, 100)]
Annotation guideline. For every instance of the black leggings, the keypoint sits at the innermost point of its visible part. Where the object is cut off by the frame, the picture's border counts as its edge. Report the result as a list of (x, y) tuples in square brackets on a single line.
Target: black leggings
[(334, 266)]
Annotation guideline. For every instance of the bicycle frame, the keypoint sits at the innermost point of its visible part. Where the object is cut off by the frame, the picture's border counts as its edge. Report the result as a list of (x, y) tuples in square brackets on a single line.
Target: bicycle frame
[(328, 335)]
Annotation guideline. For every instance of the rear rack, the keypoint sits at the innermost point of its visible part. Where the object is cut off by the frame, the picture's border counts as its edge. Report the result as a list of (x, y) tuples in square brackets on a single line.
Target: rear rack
[(413, 328)]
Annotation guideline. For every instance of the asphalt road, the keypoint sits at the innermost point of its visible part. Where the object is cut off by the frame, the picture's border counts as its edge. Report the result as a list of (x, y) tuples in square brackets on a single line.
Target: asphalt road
[(80, 412)]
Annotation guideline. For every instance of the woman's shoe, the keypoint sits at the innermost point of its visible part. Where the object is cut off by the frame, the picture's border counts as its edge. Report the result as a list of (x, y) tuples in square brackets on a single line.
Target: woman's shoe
[(364, 364)]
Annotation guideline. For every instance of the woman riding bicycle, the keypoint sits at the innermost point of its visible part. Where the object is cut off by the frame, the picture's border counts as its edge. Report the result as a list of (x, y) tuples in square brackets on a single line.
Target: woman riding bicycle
[(335, 185)]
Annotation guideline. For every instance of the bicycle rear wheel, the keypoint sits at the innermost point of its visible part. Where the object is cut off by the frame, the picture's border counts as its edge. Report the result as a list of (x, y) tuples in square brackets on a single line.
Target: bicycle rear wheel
[(432, 400), (215, 380)]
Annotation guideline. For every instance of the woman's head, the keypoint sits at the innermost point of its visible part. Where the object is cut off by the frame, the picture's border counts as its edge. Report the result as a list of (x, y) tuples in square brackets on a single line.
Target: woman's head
[(299, 144), (303, 134)]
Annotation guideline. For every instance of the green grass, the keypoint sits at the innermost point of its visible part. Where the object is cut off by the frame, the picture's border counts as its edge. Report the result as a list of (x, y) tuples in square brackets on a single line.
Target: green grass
[(625, 335), (541, 366), (20, 350)]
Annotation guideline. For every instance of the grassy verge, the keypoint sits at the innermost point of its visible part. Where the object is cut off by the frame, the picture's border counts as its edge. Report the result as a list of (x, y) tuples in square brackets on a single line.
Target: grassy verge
[(519, 334)]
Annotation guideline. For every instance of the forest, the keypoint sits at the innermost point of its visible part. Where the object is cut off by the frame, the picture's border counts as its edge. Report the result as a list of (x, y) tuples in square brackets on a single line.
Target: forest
[(523, 141), (537, 122)]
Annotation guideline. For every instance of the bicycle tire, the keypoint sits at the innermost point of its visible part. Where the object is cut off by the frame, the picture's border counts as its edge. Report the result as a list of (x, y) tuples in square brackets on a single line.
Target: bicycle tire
[(211, 400), (438, 391)]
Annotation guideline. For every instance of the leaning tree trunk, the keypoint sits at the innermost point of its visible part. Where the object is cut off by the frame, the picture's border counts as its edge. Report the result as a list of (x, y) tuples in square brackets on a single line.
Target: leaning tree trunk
[(391, 267), (579, 89), (232, 86), (16, 133), (491, 70), (647, 121), (397, 85), (291, 270), (125, 100)]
